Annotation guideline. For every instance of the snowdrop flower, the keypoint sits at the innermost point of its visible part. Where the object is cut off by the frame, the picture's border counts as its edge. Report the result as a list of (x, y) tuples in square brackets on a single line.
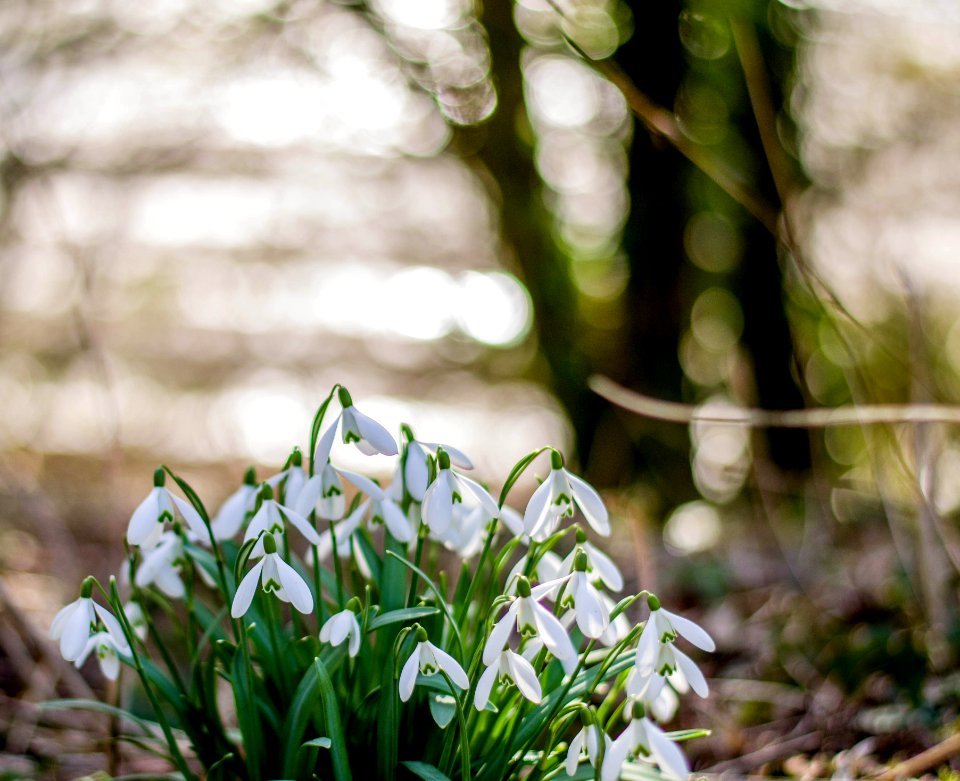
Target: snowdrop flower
[(368, 435), (451, 488), (664, 627), (428, 659), (599, 564), (508, 667), (271, 518), (277, 577), (72, 624), (532, 620), (416, 469), (293, 478), (548, 568), (146, 523), (555, 499), (136, 619), (229, 518), (592, 615), (343, 626), (107, 654), (384, 510), (618, 628), (161, 566), (660, 699), (672, 663), (642, 735), (585, 745), (465, 534)]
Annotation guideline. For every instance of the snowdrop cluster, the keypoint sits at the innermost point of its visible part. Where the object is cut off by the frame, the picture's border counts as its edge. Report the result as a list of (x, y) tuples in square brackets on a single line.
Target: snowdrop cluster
[(421, 603)]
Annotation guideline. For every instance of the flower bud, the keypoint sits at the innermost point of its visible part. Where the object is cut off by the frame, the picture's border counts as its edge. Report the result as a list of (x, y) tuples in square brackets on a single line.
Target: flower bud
[(556, 459), (421, 633), (86, 588), (353, 605), (581, 536), (652, 602), (159, 478), (344, 396), (580, 560)]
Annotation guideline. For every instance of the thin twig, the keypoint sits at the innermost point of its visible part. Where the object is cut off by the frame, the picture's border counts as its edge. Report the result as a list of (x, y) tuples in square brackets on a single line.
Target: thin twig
[(932, 757), (817, 417)]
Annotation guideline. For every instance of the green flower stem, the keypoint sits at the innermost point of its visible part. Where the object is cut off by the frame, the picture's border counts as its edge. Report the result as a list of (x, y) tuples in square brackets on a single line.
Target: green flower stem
[(131, 638), (464, 735), (488, 541), (154, 635)]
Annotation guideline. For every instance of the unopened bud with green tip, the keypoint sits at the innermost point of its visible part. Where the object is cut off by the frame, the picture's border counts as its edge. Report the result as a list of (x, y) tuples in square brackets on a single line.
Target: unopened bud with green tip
[(523, 587), (159, 478), (344, 397)]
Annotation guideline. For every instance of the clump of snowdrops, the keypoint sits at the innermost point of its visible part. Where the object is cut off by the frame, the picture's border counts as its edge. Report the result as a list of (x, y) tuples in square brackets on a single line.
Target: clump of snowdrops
[(321, 625)]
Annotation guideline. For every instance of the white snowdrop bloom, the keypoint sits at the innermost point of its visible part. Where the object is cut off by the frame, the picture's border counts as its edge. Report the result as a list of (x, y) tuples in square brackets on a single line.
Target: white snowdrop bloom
[(107, 654), (592, 615), (451, 488), (660, 699), (271, 518), (644, 737), (548, 568), (428, 659), (387, 512), (356, 428), (229, 518), (136, 619), (555, 498), (323, 494), (416, 470), (618, 628), (466, 532), (147, 522), (600, 566), (585, 745), (664, 627), (673, 663), (508, 667), (531, 619), (161, 566), (343, 626), (275, 576), (74, 623)]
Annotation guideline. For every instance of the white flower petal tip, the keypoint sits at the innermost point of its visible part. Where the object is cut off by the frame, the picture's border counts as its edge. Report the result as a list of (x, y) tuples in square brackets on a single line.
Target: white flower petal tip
[(368, 435), (430, 660), (340, 627), (556, 497)]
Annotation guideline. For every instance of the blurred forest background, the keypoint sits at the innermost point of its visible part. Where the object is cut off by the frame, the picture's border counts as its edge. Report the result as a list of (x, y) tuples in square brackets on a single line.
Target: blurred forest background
[(212, 211)]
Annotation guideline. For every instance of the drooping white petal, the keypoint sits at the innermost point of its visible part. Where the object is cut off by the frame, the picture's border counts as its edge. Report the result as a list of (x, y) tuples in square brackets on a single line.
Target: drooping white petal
[(246, 590), (229, 517), (573, 753), (322, 454), (169, 582), (591, 617), (416, 475), (109, 661), (539, 508), (615, 755), (297, 591), (192, 517), (487, 502), (648, 648), (450, 666), (354, 647), (365, 484), (308, 495), (303, 525), (408, 675), (666, 753), (260, 522), (690, 631), (371, 433), (437, 507), (113, 628), (691, 672), (396, 521), (590, 504), (500, 634), (512, 520), (76, 629), (604, 567), (551, 631), (485, 685), (457, 457), (144, 518), (60, 619), (524, 676)]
